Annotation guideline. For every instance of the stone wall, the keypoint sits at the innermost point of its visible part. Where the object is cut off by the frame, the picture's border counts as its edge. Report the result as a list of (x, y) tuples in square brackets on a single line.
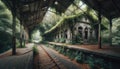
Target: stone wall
[(66, 34)]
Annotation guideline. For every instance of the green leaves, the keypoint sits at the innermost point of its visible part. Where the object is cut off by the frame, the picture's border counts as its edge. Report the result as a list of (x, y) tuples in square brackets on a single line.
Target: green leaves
[(6, 28), (35, 50)]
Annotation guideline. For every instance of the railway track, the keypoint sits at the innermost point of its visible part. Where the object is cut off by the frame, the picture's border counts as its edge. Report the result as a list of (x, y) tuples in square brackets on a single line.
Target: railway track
[(52, 59), (47, 61)]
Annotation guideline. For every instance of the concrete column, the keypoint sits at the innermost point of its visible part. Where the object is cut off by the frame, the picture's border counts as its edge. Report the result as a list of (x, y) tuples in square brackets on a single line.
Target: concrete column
[(60, 34), (93, 34), (89, 34), (69, 35)]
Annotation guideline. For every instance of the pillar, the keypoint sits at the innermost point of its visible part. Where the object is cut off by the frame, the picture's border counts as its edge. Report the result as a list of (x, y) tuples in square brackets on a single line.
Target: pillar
[(26, 34), (14, 28), (83, 34), (24, 38), (110, 34), (99, 30), (89, 33), (21, 34), (14, 37)]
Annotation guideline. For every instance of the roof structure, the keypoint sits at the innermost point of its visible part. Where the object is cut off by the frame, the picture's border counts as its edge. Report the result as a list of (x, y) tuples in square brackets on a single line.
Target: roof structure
[(109, 8), (78, 16), (31, 12)]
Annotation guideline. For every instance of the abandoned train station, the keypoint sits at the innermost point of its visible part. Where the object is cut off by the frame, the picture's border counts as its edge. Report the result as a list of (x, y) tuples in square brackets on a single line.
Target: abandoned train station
[(59, 34)]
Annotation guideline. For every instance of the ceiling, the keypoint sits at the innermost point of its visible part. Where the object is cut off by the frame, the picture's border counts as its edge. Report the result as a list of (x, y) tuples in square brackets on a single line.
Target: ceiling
[(108, 8), (31, 12)]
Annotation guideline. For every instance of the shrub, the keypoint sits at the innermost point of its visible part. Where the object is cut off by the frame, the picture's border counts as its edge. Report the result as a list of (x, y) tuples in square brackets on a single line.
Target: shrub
[(116, 40), (35, 50), (5, 41), (80, 58), (105, 40), (91, 62), (73, 54), (62, 40), (98, 63)]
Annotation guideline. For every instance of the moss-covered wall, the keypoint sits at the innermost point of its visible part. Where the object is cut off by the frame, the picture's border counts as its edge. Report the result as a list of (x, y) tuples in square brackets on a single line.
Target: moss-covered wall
[(68, 31)]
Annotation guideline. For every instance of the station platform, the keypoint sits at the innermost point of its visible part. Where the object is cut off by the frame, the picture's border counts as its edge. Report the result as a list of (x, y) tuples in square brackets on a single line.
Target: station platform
[(105, 51), (22, 60)]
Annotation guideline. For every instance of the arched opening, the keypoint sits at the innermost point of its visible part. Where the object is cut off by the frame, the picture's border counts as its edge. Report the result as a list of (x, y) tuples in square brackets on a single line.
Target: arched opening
[(80, 30), (66, 34), (86, 33), (91, 31), (61, 35)]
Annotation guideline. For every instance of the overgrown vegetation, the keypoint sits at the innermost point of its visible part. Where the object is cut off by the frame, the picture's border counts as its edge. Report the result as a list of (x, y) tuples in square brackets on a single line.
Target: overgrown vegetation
[(80, 57), (52, 21), (115, 33), (98, 63), (35, 50), (6, 28), (94, 62)]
